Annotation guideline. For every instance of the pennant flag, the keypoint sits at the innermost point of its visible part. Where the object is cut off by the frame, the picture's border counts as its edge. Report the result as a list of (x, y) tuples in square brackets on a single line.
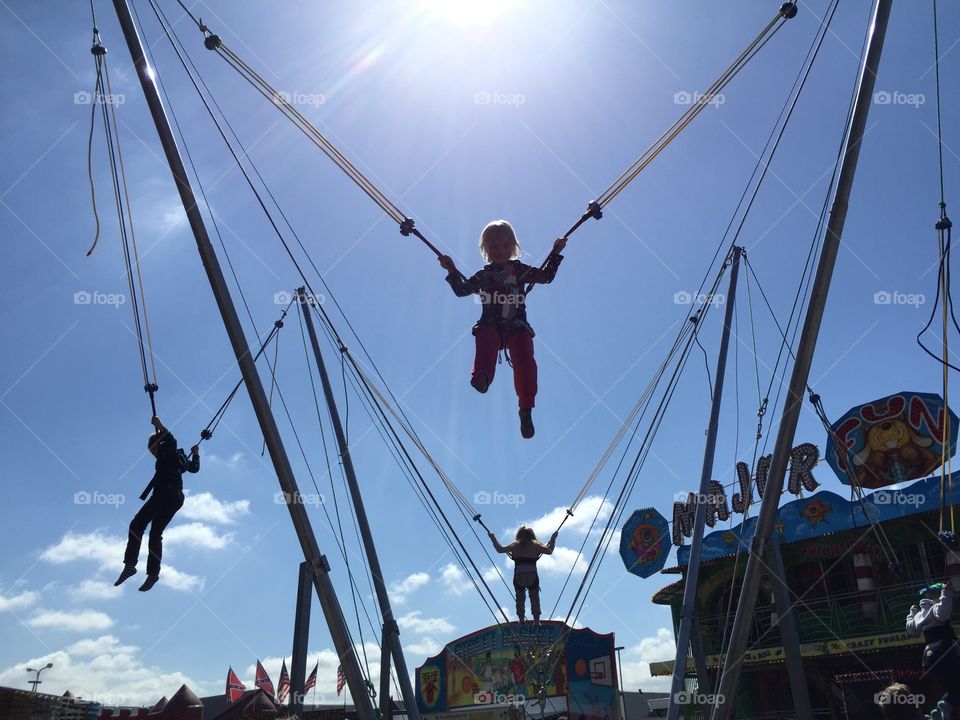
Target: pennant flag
[(341, 679), (263, 680), (283, 685), (235, 688), (312, 680)]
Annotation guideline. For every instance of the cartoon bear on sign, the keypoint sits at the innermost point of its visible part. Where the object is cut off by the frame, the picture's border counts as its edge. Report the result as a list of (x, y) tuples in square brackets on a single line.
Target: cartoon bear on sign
[(893, 454)]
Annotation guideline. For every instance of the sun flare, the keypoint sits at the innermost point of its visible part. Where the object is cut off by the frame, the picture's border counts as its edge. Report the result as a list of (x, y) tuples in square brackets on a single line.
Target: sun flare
[(467, 12)]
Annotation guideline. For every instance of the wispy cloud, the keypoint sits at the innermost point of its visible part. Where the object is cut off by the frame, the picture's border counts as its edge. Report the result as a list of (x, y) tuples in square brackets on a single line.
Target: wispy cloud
[(400, 591), (196, 535), (635, 669), (427, 626), (74, 620), (104, 670), (94, 590), (207, 508), (19, 601)]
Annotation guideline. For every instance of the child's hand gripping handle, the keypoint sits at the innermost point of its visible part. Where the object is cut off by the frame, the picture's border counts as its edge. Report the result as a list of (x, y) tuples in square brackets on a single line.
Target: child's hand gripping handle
[(446, 262)]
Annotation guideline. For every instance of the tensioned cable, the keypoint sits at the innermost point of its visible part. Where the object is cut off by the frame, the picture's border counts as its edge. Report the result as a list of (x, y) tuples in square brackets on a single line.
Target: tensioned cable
[(236, 158), (277, 325), (103, 98), (215, 43), (595, 208)]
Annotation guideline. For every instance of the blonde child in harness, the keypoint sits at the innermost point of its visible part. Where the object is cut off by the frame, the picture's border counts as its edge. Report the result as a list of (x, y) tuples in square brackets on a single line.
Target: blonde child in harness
[(525, 551), (502, 287)]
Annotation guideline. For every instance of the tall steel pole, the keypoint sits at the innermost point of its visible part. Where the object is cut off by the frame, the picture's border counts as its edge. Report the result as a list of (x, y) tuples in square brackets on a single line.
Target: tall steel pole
[(301, 522), (688, 610), (301, 635), (391, 632), (733, 663)]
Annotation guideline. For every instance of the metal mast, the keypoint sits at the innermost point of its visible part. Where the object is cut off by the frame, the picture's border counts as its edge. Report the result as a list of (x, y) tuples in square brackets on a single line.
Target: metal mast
[(301, 522), (733, 663)]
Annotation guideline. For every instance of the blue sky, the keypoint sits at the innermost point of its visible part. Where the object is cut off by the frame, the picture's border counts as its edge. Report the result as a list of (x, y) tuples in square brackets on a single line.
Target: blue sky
[(577, 90)]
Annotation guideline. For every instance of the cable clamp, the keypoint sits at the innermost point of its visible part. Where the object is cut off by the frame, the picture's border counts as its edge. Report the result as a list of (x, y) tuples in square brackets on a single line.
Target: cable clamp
[(278, 324), (788, 10), (98, 49), (212, 42), (205, 434), (944, 223), (406, 227), (593, 210), (150, 388)]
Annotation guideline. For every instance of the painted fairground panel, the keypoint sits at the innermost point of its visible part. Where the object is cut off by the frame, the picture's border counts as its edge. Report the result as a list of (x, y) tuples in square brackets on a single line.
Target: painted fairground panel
[(892, 440), (592, 674), (432, 684), (495, 666), (645, 542)]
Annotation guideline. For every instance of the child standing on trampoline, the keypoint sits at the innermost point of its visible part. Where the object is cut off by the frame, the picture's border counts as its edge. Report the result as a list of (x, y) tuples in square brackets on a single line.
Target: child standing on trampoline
[(525, 551), (503, 321)]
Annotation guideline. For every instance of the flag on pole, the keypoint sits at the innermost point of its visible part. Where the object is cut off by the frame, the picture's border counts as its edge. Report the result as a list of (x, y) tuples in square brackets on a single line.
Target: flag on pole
[(312, 680), (263, 680), (341, 679), (235, 688), (283, 685)]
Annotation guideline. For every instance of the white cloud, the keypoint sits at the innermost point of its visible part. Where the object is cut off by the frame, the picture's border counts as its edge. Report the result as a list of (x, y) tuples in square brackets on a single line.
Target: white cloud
[(637, 658), (104, 670), (399, 591), (423, 649), (94, 590), (206, 508), (454, 580), (234, 462), (75, 620), (427, 626), (561, 561), (545, 525), (493, 574), (179, 580), (196, 535), (107, 552), (18, 602)]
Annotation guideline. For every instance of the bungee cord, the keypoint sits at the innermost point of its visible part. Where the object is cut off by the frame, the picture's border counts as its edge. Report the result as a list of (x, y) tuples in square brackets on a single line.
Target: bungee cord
[(406, 224), (104, 99)]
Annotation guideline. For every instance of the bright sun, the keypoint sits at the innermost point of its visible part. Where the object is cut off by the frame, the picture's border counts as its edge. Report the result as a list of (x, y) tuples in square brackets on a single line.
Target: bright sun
[(467, 12)]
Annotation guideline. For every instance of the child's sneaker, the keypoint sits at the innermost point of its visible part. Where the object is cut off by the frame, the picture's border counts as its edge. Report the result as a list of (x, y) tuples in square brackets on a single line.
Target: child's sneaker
[(480, 383), (526, 423), (149, 582), (128, 572)]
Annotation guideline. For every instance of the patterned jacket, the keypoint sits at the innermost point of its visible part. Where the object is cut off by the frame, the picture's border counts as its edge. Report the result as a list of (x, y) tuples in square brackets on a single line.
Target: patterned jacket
[(501, 287), (172, 462)]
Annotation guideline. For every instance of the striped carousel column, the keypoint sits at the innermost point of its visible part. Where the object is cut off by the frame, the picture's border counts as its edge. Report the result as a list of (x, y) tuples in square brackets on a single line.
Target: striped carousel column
[(865, 573)]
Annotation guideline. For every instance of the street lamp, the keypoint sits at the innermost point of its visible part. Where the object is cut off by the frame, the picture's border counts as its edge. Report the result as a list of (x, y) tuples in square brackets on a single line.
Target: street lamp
[(623, 700), (36, 681)]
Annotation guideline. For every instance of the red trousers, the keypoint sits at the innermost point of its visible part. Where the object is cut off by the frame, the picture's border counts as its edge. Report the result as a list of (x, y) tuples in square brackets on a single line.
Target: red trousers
[(519, 344)]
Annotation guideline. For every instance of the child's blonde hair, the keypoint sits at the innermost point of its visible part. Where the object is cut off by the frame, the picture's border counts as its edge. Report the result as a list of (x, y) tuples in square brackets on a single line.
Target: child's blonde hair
[(499, 228)]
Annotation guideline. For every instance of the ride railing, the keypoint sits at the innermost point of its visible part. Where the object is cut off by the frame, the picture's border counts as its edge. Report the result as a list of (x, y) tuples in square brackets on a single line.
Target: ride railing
[(821, 618)]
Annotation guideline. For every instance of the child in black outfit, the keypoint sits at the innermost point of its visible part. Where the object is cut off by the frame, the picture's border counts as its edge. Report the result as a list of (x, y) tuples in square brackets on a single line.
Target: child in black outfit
[(158, 511)]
